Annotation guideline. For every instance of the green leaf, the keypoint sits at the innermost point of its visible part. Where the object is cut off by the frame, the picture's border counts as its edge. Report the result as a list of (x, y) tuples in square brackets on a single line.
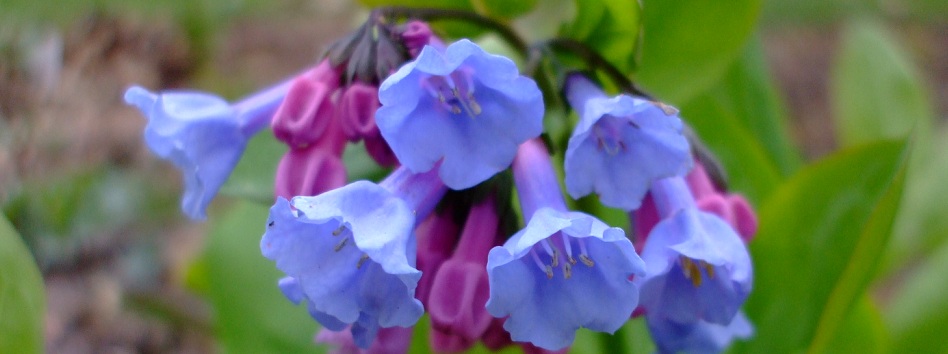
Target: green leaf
[(878, 94), (918, 314), (252, 178), (611, 27), (504, 8), (921, 226), (863, 331), (688, 44), (252, 315), (752, 171), (22, 298), (876, 91), (821, 237), (750, 93)]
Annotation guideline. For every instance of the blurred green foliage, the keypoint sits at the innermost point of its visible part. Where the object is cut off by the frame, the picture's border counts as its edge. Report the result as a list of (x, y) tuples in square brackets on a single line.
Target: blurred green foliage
[(22, 300)]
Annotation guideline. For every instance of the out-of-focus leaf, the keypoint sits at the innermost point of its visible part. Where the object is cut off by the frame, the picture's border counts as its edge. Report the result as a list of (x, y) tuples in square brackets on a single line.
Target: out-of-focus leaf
[(22, 299), (252, 315), (878, 94), (821, 237), (687, 45), (918, 314), (748, 89), (504, 8), (252, 178), (921, 226), (862, 331), (750, 169), (876, 91), (611, 27)]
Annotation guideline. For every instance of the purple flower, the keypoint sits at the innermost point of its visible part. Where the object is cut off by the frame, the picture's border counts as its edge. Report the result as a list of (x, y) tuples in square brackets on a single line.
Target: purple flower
[(697, 337), (351, 251), (564, 270), (698, 267), (462, 107), (202, 135), (621, 145)]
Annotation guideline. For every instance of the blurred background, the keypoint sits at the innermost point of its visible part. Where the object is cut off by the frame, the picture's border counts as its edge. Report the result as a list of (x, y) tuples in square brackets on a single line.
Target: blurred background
[(124, 271)]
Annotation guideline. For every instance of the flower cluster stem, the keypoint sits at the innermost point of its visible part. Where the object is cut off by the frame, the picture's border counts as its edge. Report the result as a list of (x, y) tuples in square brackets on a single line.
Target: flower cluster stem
[(428, 14)]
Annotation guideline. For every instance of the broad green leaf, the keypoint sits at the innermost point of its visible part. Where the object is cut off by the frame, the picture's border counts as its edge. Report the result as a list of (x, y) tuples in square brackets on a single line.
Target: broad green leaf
[(504, 8), (863, 331), (821, 237), (876, 91), (22, 298), (750, 169), (687, 45), (921, 226), (252, 315), (878, 94), (748, 89), (611, 27), (918, 314)]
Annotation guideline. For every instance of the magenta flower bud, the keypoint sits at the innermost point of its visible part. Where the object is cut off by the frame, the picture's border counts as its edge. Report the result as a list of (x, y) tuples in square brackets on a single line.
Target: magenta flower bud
[(416, 35), (460, 288), (436, 238), (312, 169), (307, 109), (308, 171), (356, 110), (356, 114)]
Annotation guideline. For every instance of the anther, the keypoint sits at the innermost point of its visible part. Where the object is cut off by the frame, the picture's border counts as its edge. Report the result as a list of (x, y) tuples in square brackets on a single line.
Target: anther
[(556, 258), (475, 107), (709, 269), (362, 260), (341, 244), (567, 270), (572, 260), (586, 260), (549, 272), (339, 231), (691, 271)]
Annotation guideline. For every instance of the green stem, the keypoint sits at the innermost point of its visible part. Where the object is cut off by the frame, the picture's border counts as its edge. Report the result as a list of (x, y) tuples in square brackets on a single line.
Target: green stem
[(597, 61), (429, 14)]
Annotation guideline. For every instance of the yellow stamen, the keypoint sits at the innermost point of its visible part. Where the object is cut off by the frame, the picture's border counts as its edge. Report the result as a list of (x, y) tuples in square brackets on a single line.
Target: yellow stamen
[(586, 260)]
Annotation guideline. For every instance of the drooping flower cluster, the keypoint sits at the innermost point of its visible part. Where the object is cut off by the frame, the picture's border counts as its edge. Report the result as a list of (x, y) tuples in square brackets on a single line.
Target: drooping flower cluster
[(437, 235)]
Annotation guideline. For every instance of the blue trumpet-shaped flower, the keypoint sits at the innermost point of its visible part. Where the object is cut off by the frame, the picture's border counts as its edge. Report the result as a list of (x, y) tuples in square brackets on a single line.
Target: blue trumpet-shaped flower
[(620, 145), (565, 270), (697, 337), (698, 267), (202, 135), (461, 106), (350, 253)]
